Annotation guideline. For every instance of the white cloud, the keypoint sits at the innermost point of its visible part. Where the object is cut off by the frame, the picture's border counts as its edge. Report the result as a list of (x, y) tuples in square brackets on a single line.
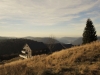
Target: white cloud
[(17, 17), (43, 12)]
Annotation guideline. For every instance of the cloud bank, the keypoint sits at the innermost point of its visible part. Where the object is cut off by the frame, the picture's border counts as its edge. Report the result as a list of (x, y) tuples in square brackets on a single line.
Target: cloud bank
[(24, 13)]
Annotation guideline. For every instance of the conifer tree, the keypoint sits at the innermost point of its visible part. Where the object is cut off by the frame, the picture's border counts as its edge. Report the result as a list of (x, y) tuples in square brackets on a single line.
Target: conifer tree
[(89, 34)]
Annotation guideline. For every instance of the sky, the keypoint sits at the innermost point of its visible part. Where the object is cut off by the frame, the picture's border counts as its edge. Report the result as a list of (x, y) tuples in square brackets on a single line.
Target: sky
[(42, 18)]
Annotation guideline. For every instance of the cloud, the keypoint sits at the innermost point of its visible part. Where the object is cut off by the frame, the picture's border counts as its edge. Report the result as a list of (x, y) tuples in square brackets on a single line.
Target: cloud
[(38, 16), (45, 12)]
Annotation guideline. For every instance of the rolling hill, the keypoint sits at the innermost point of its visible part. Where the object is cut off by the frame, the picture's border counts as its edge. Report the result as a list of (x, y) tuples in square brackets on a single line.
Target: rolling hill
[(79, 60), (10, 48), (41, 39), (79, 41), (67, 39)]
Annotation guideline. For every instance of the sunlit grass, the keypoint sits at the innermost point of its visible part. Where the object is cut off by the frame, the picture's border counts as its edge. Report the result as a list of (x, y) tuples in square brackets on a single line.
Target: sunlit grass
[(79, 60)]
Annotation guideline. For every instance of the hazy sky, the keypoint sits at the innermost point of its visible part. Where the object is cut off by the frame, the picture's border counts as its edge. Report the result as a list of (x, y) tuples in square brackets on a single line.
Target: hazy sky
[(42, 18)]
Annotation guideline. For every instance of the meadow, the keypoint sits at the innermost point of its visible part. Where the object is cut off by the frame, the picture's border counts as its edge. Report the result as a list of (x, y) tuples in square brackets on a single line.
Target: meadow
[(78, 60)]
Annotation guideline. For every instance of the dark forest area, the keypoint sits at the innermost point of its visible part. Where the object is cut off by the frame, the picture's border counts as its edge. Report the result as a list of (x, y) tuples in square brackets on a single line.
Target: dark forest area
[(10, 48)]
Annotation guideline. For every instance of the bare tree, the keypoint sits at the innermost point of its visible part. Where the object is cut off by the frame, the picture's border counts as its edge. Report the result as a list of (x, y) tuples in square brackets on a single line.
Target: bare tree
[(51, 43)]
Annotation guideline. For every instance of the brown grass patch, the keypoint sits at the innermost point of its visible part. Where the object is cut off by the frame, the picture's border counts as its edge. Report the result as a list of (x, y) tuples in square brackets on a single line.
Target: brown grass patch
[(79, 60)]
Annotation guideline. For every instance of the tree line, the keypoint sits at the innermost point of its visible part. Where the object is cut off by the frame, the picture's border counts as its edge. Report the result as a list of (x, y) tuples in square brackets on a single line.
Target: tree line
[(10, 48)]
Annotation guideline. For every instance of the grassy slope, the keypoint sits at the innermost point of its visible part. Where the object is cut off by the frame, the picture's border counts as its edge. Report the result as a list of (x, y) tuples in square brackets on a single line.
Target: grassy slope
[(79, 60)]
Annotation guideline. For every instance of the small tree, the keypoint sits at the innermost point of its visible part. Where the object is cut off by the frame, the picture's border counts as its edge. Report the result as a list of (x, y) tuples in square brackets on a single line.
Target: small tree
[(89, 34)]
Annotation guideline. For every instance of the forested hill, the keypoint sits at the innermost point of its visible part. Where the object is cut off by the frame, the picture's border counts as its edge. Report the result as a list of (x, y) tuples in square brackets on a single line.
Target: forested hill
[(14, 46)]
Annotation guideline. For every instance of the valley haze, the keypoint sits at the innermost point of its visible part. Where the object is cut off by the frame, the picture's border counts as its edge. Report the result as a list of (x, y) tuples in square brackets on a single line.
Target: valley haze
[(66, 40)]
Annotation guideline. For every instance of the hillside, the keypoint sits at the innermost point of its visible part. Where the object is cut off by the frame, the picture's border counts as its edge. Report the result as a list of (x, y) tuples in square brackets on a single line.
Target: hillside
[(10, 48), (79, 60), (3, 38), (41, 39), (67, 39), (79, 41), (57, 40)]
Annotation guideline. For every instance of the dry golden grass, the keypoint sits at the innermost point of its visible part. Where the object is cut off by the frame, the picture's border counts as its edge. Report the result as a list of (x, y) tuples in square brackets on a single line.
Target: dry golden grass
[(79, 60)]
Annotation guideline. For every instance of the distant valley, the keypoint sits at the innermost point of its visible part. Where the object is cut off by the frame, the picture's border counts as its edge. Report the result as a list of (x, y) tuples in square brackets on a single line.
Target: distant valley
[(65, 40)]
